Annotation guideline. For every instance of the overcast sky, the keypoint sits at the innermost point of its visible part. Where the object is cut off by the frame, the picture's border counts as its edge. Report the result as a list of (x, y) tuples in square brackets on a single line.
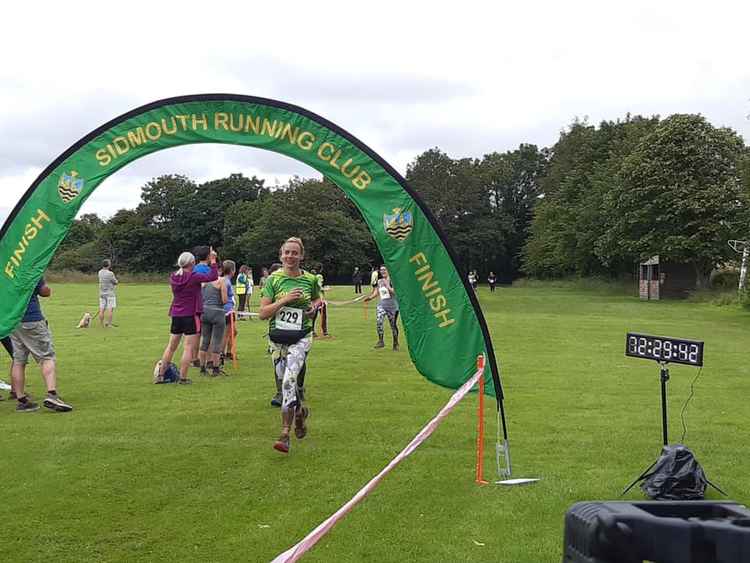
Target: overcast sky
[(468, 77)]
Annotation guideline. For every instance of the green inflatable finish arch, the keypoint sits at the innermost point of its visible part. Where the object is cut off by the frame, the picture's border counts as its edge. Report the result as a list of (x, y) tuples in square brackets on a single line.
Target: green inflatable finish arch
[(444, 324)]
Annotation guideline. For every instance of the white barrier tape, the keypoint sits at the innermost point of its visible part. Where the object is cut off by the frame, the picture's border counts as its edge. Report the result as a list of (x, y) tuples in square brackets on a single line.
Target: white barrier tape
[(294, 553), (350, 302)]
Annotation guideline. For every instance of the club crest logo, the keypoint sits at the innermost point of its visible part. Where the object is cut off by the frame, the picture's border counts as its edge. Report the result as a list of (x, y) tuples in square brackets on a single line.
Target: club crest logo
[(399, 224), (69, 186)]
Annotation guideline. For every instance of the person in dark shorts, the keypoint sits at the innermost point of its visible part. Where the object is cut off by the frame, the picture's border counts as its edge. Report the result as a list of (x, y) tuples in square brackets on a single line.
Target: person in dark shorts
[(186, 291), (357, 280), (33, 337), (492, 280)]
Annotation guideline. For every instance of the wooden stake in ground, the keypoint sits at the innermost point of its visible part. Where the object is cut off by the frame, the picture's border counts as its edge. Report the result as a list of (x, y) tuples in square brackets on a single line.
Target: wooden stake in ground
[(233, 340)]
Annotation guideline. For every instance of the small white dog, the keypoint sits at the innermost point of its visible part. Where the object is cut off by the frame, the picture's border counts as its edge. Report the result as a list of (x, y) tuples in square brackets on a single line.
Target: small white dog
[(157, 378), (85, 321)]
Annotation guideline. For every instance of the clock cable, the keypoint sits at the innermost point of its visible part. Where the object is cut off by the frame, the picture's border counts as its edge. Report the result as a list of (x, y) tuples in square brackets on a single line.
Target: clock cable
[(682, 412)]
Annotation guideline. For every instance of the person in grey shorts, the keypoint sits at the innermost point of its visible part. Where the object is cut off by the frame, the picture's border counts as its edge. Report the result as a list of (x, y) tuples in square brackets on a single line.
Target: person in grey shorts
[(32, 337), (107, 298), (214, 295)]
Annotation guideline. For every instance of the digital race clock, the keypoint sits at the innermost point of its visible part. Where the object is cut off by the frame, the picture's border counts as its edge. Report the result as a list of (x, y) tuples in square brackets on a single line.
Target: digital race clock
[(664, 349)]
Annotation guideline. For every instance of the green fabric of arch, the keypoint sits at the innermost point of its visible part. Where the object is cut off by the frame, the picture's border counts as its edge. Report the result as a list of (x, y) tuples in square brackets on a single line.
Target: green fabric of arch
[(444, 325)]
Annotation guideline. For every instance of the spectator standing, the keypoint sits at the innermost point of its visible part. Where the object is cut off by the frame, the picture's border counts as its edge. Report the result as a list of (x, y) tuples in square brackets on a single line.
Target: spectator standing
[(33, 337), (492, 280), (264, 273), (250, 287), (201, 255), (213, 326), (186, 294), (322, 310), (107, 298), (241, 288), (228, 268), (8, 345), (357, 280)]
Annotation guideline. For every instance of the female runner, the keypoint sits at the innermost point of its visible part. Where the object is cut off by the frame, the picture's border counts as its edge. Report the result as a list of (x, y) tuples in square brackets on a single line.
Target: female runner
[(289, 301)]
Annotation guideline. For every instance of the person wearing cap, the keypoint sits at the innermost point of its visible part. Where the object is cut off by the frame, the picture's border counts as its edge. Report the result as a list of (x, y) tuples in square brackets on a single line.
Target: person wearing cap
[(186, 292)]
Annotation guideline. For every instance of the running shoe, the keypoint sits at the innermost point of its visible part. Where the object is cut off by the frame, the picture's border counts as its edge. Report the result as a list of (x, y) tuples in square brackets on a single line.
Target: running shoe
[(300, 428), (28, 406), (380, 344), (196, 363), (282, 444), (55, 403), (185, 381)]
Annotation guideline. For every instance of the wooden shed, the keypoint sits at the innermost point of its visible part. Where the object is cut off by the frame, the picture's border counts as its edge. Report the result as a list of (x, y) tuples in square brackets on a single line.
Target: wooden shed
[(665, 280)]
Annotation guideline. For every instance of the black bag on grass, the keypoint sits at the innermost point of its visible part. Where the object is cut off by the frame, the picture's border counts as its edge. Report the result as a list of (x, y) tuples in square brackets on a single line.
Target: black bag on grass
[(676, 475)]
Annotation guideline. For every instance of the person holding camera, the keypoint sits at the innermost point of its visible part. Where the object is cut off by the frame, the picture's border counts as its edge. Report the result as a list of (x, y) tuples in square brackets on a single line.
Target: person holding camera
[(185, 311)]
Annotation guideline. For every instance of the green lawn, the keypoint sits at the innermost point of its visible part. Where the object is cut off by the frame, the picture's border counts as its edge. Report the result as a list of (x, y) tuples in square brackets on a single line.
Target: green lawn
[(140, 472)]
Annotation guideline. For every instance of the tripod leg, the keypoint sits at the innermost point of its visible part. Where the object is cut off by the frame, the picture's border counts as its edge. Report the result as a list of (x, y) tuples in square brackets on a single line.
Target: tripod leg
[(640, 477), (717, 488)]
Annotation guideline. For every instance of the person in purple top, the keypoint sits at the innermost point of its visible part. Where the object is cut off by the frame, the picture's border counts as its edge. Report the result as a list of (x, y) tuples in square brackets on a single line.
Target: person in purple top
[(186, 290)]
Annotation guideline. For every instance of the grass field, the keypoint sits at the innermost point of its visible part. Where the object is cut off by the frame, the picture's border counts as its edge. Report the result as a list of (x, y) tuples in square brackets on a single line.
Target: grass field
[(140, 472)]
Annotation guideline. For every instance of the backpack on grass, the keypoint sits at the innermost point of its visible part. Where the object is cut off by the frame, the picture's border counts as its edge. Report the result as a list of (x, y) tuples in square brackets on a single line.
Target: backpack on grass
[(171, 374)]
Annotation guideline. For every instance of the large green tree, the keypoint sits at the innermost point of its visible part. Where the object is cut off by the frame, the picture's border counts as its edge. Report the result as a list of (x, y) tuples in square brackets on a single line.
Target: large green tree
[(336, 237), (569, 219), (460, 201), (679, 194), (512, 182), (192, 214)]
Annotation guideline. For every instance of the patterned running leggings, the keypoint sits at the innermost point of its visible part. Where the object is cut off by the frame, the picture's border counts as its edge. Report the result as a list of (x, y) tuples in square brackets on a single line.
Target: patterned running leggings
[(288, 362), (381, 313)]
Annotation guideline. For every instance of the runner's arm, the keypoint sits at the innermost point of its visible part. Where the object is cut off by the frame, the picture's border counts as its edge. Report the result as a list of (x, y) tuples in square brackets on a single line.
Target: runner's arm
[(269, 308), (372, 295)]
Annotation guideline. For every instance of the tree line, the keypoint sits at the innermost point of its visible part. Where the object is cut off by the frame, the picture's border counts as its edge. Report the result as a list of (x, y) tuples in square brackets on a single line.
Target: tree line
[(598, 201)]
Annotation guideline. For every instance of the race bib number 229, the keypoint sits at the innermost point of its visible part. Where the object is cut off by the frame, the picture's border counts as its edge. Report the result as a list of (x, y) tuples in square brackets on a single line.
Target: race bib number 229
[(289, 318)]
